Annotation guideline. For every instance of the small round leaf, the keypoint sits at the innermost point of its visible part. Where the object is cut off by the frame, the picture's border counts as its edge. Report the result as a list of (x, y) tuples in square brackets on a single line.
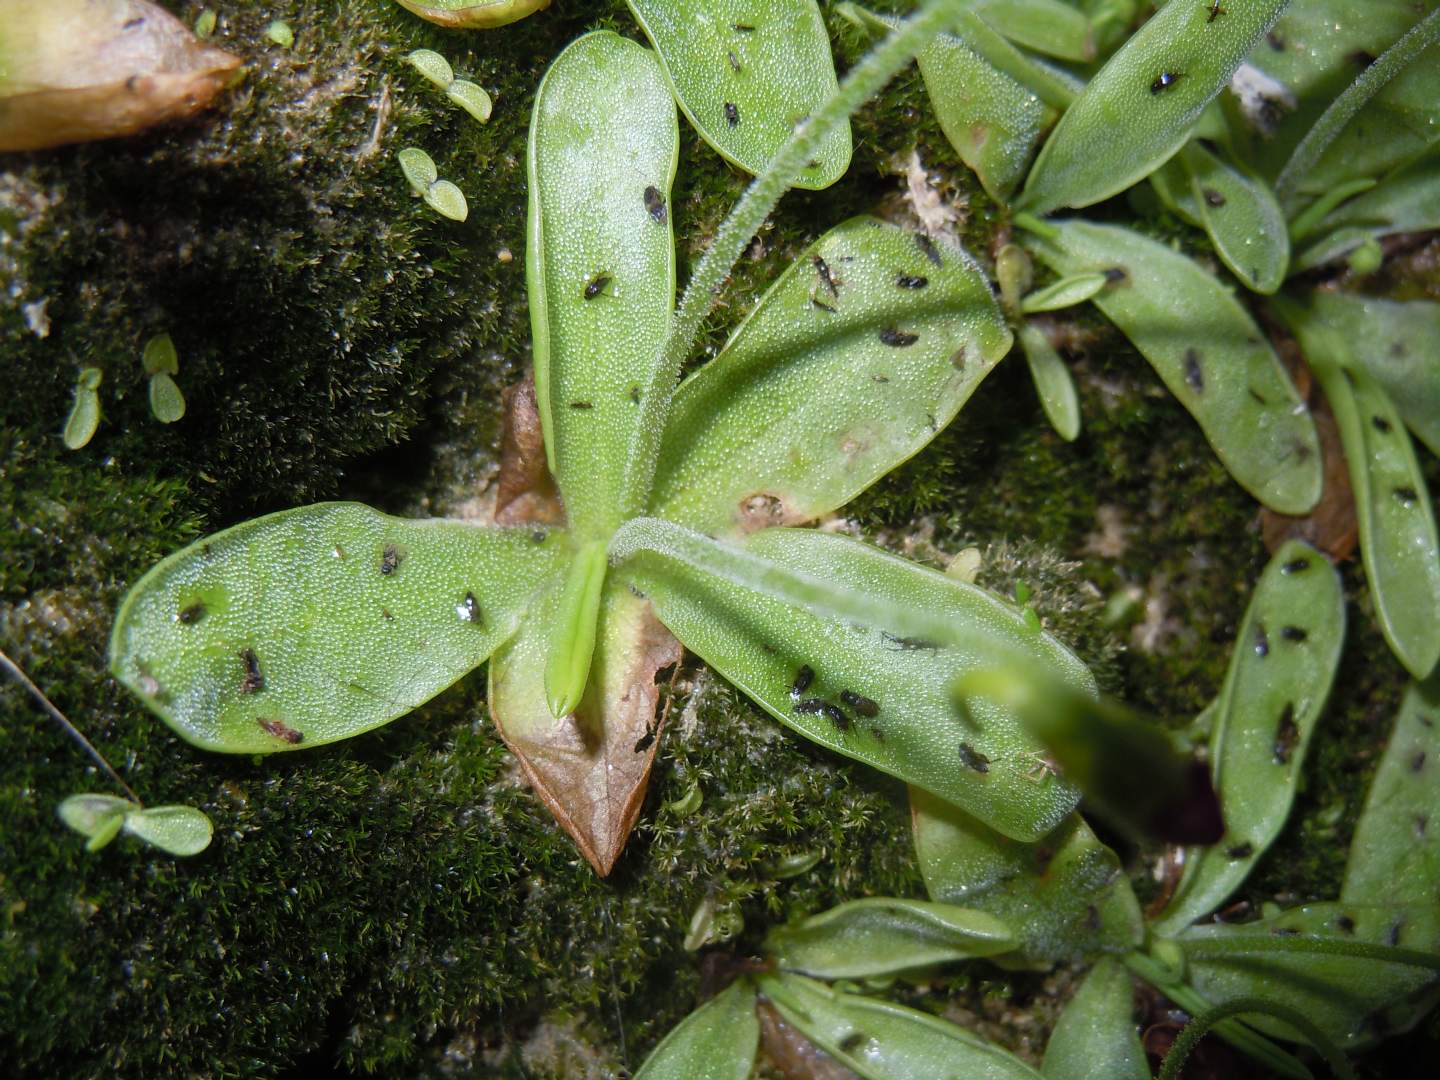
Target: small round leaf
[(280, 33), (89, 814), (166, 401), (84, 415), (418, 167), (470, 97), (178, 830), (447, 200), (432, 65), (160, 355)]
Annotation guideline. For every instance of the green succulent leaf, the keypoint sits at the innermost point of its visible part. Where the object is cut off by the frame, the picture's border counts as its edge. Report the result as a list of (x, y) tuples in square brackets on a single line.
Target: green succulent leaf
[(160, 356), (432, 66), (1404, 202), (572, 644), (600, 262), (315, 624), (167, 403), (882, 936), (98, 817), (1064, 896), (176, 830), (1052, 381), (447, 200), (1339, 964), (419, 169), (1050, 27), (1067, 292), (715, 1042), (84, 416), (591, 765), (857, 681), (1398, 541), (1096, 1034), (883, 1041), (1395, 853), (746, 72), (1141, 107), (993, 121), (1280, 673), (473, 14), (470, 97), (863, 349), (1398, 343), (1209, 352), (1242, 217)]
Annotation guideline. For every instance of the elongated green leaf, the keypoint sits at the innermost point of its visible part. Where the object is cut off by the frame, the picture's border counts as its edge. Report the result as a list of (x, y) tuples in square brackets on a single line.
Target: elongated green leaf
[(1280, 673), (715, 1042), (883, 1041), (1141, 106), (993, 121), (84, 416), (600, 262), (473, 14), (852, 361), (1404, 202), (177, 830), (1210, 353), (167, 403), (1096, 1034), (1046, 26), (746, 72), (1399, 344), (589, 767), (866, 692), (315, 624), (1398, 541), (1242, 217), (1342, 994), (1064, 896), (1315, 49), (1052, 381), (885, 936), (1395, 853), (1067, 292)]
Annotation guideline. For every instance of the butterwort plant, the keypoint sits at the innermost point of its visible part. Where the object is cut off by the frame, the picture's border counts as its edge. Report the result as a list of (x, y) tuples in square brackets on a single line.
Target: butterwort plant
[(681, 502)]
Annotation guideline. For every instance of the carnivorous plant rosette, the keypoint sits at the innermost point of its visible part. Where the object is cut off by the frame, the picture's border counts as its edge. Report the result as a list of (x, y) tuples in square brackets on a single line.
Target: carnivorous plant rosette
[(319, 623)]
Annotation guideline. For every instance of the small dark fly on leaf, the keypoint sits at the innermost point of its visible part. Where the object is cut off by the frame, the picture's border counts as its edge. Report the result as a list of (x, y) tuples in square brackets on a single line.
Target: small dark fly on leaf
[(655, 204), (732, 114), (816, 707), (863, 705), (898, 338), (973, 759), (928, 247), (826, 277), (1215, 11), (389, 560), (596, 286), (908, 281), (280, 730), (254, 679), (803, 678), (1166, 80)]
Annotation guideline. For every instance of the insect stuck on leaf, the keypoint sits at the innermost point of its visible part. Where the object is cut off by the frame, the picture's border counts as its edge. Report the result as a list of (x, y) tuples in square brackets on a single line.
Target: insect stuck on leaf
[(280, 730), (732, 114), (1165, 80), (655, 204), (862, 705), (596, 285), (1215, 11), (803, 678), (833, 713)]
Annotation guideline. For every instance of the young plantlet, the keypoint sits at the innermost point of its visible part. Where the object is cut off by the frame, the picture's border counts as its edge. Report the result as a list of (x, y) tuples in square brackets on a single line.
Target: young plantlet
[(473, 14), (84, 415), (419, 169), (161, 363)]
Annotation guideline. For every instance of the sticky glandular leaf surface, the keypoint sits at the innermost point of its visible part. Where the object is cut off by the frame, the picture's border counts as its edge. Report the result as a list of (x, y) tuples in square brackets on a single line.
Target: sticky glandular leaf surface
[(600, 263), (715, 1042), (315, 624), (880, 697), (853, 360), (1209, 352), (1280, 672), (746, 73), (1141, 107), (1096, 1034)]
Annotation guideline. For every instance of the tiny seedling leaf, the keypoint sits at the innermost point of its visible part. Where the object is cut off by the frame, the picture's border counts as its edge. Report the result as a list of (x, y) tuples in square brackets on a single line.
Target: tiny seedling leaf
[(745, 73), (431, 65), (881, 936), (177, 830), (315, 624), (1280, 673), (160, 356), (1242, 217), (447, 200), (167, 403), (470, 97), (89, 814), (1067, 292), (1052, 382), (473, 14), (1405, 202), (715, 1042), (418, 167), (84, 415)]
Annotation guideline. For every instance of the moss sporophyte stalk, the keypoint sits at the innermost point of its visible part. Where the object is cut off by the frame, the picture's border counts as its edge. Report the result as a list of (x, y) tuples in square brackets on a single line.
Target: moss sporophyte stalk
[(661, 466)]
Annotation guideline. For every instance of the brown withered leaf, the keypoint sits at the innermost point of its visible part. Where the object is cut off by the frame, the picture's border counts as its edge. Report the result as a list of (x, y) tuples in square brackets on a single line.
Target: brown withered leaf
[(1331, 526), (591, 767), (793, 1055), (76, 70), (525, 490)]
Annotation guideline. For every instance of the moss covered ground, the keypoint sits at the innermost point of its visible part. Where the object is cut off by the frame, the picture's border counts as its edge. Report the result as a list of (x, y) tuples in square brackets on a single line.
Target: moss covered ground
[(400, 904)]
